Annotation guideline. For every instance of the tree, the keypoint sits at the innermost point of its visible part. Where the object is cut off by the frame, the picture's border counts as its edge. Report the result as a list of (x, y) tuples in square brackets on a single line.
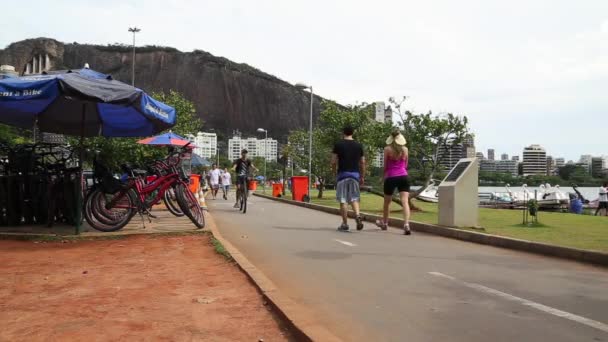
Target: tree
[(428, 134), (12, 136), (116, 151)]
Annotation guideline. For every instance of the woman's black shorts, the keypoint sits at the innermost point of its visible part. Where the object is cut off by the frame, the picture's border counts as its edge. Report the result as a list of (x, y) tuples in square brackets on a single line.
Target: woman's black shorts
[(401, 183)]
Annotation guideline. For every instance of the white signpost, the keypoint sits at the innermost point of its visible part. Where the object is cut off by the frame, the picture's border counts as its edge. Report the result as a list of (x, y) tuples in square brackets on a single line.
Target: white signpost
[(458, 197)]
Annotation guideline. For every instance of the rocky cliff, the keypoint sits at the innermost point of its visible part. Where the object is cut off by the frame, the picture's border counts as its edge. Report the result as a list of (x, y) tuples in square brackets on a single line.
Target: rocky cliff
[(227, 95)]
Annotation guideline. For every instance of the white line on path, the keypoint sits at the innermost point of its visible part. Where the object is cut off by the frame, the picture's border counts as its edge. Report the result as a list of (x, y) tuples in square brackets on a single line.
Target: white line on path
[(350, 244), (546, 309)]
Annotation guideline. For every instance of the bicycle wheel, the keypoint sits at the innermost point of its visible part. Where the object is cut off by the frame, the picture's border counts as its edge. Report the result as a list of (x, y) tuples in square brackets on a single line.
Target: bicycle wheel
[(112, 215), (189, 205), (170, 200), (109, 219)]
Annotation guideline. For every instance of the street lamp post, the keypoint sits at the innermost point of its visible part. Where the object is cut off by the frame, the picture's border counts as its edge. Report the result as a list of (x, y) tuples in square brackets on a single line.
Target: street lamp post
[(134, 30), (265, 155), (300, 85)]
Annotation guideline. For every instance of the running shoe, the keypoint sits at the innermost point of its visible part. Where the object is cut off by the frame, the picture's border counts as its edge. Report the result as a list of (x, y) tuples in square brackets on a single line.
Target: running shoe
[(382, 225), (236, 206), (359, 221), (407, 230), (343, 227)]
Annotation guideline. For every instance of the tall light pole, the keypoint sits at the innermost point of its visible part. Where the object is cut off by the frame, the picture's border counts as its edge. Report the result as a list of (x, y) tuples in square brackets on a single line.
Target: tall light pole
[(265, 155), (302, 86), (134, 30)]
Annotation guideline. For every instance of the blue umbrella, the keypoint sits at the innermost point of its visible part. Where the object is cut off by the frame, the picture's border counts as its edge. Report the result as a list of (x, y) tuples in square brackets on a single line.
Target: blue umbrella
[(82, 103)]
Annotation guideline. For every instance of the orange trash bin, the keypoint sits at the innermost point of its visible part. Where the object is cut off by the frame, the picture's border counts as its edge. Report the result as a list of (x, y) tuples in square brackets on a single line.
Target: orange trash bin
[(299, 188), (252, 185), (277, 190), (195, 183)]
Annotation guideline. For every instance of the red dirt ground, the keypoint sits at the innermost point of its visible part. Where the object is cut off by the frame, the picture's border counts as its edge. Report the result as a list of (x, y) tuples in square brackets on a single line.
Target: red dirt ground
[(137, 288)]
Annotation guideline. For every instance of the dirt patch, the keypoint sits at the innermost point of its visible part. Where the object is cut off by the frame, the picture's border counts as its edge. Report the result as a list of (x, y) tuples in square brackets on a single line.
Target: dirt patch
[(138, 288)]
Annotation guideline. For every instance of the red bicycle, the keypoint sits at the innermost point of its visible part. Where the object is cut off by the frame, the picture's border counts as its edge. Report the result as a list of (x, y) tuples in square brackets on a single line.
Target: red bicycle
[(111, 205)]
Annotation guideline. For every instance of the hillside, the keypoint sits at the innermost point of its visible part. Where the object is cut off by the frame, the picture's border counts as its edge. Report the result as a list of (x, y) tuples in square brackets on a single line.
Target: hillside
[(227, 95)]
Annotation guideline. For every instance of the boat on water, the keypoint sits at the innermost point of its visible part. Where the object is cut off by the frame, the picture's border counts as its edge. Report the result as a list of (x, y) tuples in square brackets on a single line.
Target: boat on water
[(548, 197), (430, 194)]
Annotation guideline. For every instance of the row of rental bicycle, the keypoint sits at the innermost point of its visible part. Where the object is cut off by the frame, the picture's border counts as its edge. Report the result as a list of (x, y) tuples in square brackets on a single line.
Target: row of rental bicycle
[(39, 184)]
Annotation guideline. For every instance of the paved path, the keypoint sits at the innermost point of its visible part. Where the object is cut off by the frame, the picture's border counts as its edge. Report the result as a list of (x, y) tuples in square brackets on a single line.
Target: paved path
[(383, 286)]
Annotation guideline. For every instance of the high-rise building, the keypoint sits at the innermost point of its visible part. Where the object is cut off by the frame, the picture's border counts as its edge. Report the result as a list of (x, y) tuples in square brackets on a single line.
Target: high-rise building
[(490, 154), (206, 144), (535, 160), (507, 166), (265, 148), (487, 165), (378, 159), (479, 156), (551, 169), (585, 161), (504, 156), (598, 165), (380, 108), (383, 113), (468, 146), (515, 158), (559, 163), (454, 152)]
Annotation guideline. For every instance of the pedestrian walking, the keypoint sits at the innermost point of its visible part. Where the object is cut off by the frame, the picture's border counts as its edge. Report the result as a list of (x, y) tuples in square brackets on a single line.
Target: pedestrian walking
[(348, 163), (603, 200), (226, 181), (214, 180), (396, 179)]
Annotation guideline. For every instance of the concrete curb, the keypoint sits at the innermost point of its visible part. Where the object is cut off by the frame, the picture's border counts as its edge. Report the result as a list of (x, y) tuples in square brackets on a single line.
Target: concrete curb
[(581, 255), (302, 322)]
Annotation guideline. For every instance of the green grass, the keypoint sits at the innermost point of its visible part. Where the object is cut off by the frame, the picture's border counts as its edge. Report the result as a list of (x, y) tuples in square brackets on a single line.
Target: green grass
[(578, 231), (220, 249)]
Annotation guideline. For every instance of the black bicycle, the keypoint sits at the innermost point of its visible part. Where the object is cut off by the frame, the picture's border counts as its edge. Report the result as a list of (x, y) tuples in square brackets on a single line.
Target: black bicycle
[(243, 192)]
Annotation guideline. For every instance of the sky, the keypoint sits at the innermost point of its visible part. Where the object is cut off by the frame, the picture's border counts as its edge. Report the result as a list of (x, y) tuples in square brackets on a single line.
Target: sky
[(523, 72)]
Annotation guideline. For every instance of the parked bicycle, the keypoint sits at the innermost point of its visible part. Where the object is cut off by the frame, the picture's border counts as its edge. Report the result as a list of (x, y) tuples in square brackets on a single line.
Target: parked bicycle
[(111, 205)]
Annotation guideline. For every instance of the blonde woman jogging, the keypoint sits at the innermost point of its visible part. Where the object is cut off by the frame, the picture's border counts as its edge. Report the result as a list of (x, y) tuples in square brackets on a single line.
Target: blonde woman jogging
[(396, 178)]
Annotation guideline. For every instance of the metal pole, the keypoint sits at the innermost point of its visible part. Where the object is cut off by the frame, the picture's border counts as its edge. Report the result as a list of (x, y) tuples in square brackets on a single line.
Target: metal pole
[(265, 156), (134, 30), (310, 145), (133, 64)]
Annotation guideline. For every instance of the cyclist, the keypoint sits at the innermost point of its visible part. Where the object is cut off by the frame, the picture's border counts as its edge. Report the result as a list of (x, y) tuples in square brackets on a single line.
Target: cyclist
[(242, 167)]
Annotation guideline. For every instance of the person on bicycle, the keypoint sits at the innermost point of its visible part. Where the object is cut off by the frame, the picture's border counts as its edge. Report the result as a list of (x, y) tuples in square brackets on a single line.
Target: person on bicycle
[(242, 167)]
